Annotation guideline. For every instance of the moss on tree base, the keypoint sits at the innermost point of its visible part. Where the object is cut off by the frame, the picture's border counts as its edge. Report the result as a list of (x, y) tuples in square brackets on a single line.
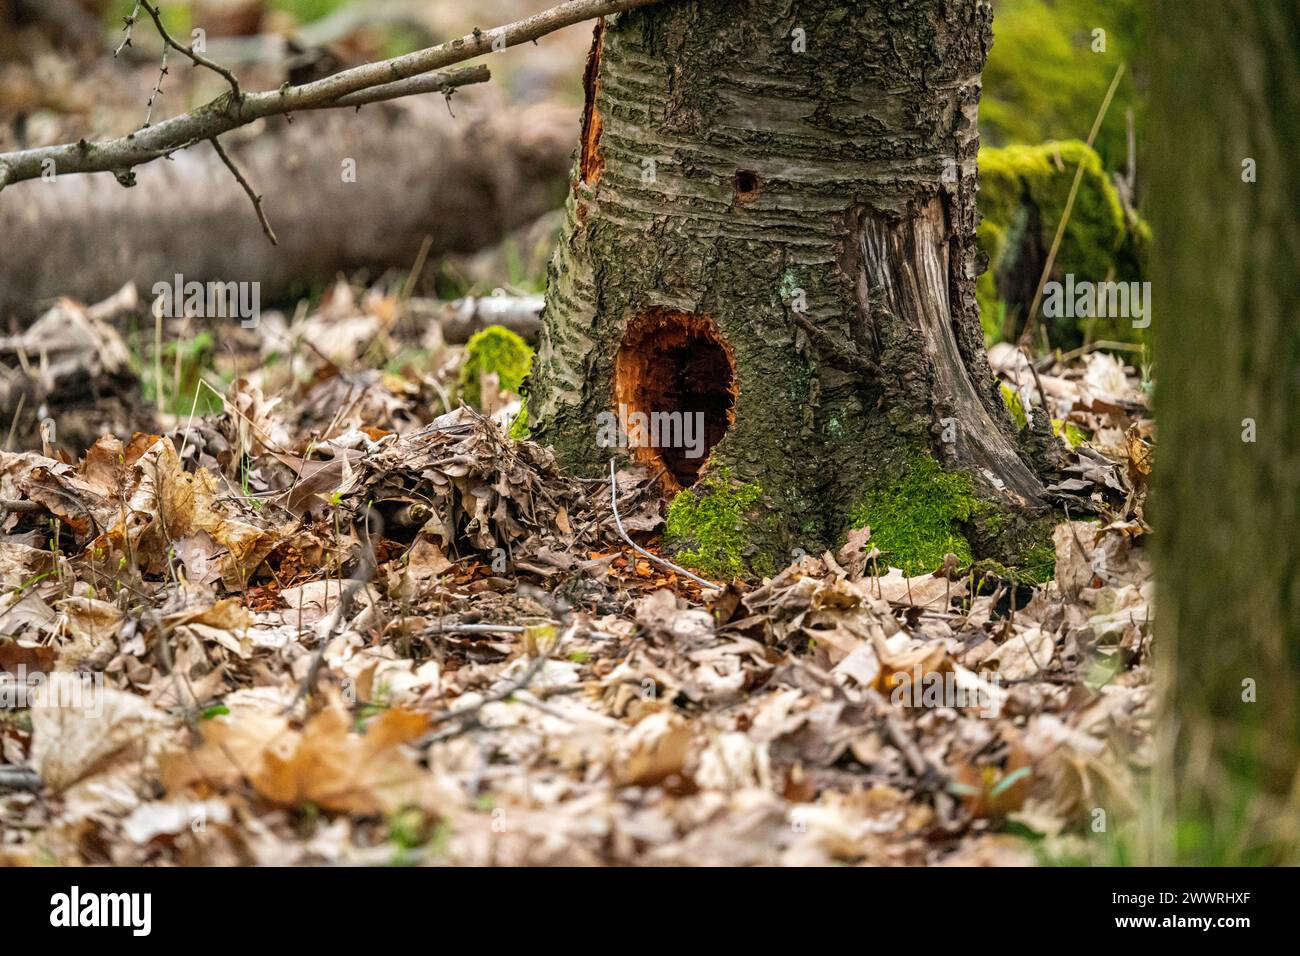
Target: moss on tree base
[(919, 519), (916, 521), (810, 283), (709, 528)]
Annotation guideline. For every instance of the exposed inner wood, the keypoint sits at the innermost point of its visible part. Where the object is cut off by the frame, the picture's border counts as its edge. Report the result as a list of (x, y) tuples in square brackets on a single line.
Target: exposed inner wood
[(591, 163), (676, 363), (908, 261)]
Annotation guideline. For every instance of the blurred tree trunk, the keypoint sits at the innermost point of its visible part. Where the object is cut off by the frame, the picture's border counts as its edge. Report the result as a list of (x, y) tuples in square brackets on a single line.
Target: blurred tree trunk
[(1224, 190)]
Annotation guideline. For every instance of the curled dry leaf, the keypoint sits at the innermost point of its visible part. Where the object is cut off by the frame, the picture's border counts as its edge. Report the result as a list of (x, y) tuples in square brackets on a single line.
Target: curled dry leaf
[(324, 764)]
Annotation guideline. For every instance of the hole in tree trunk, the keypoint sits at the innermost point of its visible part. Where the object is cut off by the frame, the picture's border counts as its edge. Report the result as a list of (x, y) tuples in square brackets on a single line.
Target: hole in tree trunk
[(747, 185), (675, 387)]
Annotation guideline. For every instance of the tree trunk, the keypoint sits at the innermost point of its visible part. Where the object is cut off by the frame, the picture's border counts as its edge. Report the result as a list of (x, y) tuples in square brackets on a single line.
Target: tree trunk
[(1225, 134), (772, 223)]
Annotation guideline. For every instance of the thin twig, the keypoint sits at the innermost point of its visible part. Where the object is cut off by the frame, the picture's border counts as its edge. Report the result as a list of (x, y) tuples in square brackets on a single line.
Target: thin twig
[(613, 503), (227, 112), (19, 778), (252, 195), (365, 573), (128, 24), (157, 89), (429, 83), (1027, 334), (505, 690), (479, 628), (473, 629), (198, 58)]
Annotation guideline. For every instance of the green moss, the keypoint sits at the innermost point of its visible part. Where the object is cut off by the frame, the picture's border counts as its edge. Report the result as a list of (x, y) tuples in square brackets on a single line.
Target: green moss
[(1021, 543), (1097, 244), (918, 520), (519, 427), (494, 350), (1040, 563), (993, 310), (1045, 79), (1068, 432), (1096, 231), (706, 526), (305, 11), (1011, 398)]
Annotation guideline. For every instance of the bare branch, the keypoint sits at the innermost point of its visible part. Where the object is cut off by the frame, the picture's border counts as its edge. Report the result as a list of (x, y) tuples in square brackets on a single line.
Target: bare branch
[(254, 196), (157, 88), (429, 83), (19, 778), (120, 156), (128, 24), (227, 112), (198, 58)]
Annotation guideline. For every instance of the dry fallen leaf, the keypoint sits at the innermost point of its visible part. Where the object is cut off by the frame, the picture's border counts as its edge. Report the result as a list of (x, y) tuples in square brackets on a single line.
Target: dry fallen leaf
[(80, 727), (324, 764), (1025, 654), (654, 750)]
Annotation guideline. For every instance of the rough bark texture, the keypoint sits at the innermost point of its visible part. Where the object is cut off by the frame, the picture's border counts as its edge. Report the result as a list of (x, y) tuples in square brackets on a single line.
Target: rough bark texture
[(817, 208), (1227, 501)]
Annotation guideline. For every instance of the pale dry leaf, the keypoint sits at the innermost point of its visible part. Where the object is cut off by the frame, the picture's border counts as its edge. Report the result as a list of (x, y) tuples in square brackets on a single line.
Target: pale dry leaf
[(1026, 653), (80, 727)]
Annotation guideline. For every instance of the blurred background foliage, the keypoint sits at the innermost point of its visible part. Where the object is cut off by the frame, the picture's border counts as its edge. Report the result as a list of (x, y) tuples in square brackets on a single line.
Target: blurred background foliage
[(1046, 80), (1048, 73)]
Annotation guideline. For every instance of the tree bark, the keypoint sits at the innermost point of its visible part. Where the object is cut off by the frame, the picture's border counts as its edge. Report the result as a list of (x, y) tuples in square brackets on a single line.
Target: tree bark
[(773, 217), (1227, 491)]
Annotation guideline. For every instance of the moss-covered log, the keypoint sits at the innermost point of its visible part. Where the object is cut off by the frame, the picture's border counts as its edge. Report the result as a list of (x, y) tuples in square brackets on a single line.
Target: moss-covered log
[(772, 224), (1024, 191)]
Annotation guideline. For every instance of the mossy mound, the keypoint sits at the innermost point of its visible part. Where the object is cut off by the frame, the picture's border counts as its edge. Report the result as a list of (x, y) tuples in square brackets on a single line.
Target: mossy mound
[(1023, 194), (917, 521), (494, 350), (706, 527)]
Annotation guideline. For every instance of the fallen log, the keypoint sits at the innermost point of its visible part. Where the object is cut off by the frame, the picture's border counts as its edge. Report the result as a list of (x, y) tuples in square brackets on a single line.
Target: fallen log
[(461, 318), (494, 168)]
